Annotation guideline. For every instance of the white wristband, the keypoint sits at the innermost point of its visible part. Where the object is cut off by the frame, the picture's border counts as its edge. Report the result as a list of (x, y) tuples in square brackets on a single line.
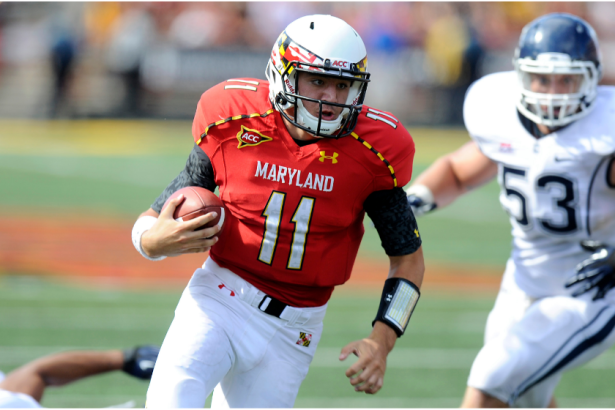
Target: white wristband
[(422, 192), (142, 225)]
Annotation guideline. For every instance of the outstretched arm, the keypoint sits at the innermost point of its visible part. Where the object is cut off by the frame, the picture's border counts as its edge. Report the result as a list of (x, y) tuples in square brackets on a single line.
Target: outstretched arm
[(66, 367), (60, 369), (367, 374), (454, 174)]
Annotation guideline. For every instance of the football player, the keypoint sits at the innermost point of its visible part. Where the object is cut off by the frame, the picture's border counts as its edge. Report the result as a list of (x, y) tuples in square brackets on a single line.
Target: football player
[(298, 161), (548, 132), (24, 387)]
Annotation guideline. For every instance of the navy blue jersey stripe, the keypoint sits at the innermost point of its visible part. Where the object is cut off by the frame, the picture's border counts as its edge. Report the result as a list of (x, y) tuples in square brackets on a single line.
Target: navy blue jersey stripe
[(574, 353), (608, 172), (589, 193)]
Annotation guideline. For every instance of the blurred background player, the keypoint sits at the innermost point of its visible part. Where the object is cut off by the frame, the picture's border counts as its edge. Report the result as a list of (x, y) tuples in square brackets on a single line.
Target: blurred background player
[(24, 387), (298, 160), (547, 131)]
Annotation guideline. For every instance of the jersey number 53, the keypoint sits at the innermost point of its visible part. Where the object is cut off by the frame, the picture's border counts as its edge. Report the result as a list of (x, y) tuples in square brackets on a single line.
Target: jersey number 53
[(564, 210)]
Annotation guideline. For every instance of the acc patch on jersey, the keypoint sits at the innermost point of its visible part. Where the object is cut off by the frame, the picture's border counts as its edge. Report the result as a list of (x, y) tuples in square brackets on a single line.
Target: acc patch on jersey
[(250, 138), (304, 339)]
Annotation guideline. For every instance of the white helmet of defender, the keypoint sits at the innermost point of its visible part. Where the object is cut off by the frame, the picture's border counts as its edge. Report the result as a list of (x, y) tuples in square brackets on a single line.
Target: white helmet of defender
[(329, 46)]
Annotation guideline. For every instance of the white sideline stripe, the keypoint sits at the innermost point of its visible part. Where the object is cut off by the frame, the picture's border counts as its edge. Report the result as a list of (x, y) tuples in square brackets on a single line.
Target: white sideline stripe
[(409, 358), (404, 358)]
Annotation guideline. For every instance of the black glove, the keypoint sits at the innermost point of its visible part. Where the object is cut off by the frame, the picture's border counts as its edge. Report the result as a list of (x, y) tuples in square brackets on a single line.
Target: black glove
[(139, 361), (597, 271)]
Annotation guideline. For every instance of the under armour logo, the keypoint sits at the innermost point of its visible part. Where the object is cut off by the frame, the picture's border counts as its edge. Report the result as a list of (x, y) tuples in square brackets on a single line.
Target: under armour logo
[(333, 157), (389, 297), (416, 232), (222, 285)]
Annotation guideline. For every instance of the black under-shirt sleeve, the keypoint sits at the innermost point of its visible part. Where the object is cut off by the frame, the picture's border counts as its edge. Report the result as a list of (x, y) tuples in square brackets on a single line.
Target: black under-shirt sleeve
[(394, 221), (198, 172)]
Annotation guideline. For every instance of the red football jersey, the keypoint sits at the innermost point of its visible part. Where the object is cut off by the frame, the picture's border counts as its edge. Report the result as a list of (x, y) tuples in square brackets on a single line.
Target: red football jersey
[(297, 212)]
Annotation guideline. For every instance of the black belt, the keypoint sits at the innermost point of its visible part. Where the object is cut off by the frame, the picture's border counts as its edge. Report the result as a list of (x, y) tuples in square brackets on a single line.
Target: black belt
[(274, 308)]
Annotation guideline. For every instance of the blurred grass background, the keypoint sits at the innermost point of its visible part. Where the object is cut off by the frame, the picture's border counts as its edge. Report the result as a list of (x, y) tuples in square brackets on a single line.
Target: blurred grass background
[(115, 169)]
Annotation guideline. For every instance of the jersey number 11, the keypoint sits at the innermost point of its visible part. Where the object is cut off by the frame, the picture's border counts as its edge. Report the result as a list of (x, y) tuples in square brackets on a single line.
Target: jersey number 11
[(273, 217)]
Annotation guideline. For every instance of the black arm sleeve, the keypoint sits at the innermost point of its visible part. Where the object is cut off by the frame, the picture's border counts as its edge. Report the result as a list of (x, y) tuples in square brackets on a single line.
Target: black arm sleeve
[(394, 221), (198, 172)]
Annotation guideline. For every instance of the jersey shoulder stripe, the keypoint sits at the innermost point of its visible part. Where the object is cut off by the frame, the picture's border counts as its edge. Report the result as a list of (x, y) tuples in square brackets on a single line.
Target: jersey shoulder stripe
[(387, 142), (231, 100)]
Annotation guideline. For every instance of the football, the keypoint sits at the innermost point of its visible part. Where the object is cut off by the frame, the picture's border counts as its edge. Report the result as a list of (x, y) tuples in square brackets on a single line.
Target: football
[(198, 201)]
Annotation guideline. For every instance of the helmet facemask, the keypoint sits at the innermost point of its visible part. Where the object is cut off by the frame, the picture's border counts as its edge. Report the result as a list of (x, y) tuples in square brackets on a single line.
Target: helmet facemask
[(550, 109), (291, 97)]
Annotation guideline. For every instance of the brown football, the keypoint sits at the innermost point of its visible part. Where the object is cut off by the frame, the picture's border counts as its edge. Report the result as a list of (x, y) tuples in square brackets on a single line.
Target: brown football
[(199, 201)]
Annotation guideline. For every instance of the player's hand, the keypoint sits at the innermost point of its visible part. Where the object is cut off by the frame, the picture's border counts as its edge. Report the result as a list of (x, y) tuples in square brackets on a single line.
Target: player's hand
[(367, 374), (597, 271), (421, 200), (169, 237)]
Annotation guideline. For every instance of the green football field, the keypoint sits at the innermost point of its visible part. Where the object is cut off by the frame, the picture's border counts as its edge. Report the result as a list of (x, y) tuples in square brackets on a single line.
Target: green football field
[(116, 169)]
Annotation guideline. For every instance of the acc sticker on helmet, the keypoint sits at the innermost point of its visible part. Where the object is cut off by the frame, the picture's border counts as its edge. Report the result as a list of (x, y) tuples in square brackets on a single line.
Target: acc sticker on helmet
[(250, 138)]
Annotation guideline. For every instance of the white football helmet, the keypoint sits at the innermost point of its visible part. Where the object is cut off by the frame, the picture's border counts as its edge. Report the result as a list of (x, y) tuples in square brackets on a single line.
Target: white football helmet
[(329, 46), (550, 46)]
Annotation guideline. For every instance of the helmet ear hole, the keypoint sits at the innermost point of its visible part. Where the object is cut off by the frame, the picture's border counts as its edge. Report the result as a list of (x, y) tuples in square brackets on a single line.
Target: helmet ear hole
[(281, 99)]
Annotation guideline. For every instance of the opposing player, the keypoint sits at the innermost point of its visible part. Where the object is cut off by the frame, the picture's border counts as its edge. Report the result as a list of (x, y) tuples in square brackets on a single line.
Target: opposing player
[(298, 160), (548, 132), (24, 387)]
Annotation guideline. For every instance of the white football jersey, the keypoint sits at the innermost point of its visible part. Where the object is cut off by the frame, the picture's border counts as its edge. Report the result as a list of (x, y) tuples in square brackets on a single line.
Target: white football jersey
[(555, 188)]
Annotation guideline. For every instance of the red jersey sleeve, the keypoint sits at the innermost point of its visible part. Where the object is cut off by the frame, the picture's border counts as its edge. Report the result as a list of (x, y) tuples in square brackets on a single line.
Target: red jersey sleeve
[(392, 148)]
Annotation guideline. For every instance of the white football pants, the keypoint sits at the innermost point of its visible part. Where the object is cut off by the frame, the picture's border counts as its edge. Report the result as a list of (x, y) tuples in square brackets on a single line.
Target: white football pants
[(529, 342), (220, 339)]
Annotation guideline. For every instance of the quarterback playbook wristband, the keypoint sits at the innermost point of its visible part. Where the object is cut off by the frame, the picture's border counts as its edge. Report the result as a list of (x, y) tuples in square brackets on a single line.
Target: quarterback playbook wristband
[(143, 224), (399, 298)]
